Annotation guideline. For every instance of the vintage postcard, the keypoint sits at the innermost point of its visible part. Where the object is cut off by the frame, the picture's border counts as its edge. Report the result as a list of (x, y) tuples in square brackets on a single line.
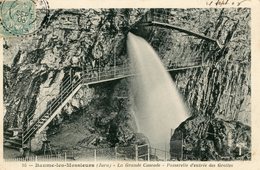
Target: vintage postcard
[(129, 84)]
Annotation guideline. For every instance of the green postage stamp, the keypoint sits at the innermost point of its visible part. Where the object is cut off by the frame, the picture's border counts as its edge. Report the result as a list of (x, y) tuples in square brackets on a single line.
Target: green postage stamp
[(22, 17)]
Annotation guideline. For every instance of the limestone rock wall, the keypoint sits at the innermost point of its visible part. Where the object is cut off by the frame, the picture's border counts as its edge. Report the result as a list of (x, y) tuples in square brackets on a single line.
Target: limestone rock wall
[(222, 86), (218, 93), (36, 66)]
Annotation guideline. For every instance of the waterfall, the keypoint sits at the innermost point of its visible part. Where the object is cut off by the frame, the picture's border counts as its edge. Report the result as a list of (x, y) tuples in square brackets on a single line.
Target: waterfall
[(158, 105)]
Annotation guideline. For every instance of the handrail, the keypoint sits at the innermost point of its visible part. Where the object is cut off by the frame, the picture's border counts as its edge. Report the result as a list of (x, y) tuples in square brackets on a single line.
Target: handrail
[(165, 25), (31, 113), (53, 104), (53, 107), (45, 110), (69, 86)]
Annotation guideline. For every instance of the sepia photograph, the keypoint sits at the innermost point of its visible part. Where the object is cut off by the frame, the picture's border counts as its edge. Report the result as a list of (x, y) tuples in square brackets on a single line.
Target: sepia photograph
[(125, 84)]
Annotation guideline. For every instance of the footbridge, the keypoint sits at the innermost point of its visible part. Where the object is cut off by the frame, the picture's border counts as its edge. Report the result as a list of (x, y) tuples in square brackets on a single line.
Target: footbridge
[(163, 18)]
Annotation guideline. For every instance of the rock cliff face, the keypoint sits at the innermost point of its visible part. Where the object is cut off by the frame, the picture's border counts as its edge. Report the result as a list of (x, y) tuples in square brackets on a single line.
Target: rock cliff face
[(221, 87), (35, 66), (213, 139), (104, 116), (217, 94)]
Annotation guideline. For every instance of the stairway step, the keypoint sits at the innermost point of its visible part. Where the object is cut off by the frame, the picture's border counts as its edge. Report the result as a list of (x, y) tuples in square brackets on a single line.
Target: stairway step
[(43, 120), (14, 138), (8, 133), (19, 139), (12, 142), (46, 116), (14, 129), (7, 145), (38, 124)]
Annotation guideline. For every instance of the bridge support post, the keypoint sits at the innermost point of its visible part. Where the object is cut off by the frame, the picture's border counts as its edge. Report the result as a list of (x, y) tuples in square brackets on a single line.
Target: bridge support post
[(116, 152), (99, 68), (70, 75), (202, 61), (115, 60), (28, 122), (61, 97), (136, 153), (148, 153), (95, 155)]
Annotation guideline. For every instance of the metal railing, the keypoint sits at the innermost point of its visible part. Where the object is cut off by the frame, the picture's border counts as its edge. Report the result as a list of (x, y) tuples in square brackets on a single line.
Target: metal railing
[(47, 113), (159, 154), (94, 75), (30, 118), (167, 20), (132, 152), (87, 76), (35, 158), (68, 86)]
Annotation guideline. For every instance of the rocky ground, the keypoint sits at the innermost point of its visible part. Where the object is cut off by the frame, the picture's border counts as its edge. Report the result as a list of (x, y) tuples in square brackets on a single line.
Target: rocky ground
[(217, 94)]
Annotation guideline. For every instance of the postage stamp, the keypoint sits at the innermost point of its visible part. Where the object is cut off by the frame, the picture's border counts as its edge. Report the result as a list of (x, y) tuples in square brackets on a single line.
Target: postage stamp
[(22, 17)]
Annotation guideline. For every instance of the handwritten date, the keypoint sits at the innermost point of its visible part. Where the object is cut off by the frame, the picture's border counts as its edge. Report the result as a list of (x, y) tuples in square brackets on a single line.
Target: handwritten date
[(221, 3)]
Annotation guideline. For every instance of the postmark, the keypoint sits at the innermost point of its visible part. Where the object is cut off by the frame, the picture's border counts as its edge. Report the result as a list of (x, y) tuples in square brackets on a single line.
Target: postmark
[(23, 17)]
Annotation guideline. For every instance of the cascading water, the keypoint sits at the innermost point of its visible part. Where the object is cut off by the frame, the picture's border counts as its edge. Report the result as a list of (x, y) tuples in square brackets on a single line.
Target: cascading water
[(158, 105)]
